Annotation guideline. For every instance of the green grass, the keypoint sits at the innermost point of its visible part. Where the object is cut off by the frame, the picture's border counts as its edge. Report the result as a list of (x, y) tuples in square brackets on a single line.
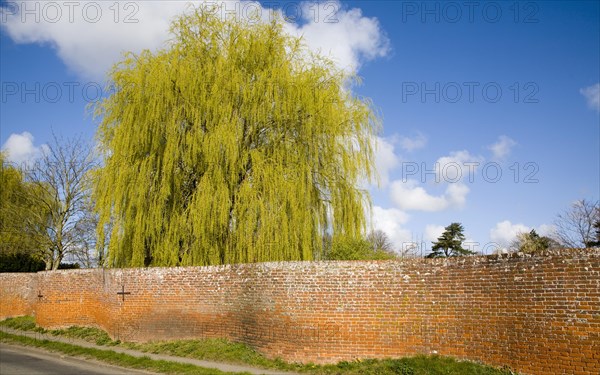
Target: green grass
[(111, 357), (93, 335), (23, 323), (222, 350)]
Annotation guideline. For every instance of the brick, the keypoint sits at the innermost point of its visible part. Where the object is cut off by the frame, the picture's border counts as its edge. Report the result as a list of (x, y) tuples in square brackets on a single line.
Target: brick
[(538, 314)]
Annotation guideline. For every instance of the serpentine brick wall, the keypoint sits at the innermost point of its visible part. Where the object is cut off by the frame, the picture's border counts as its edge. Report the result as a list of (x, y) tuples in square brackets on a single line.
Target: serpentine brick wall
[(538, 315)]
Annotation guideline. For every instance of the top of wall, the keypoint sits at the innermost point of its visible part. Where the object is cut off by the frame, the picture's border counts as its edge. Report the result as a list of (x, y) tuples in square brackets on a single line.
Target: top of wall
[(565, 254)]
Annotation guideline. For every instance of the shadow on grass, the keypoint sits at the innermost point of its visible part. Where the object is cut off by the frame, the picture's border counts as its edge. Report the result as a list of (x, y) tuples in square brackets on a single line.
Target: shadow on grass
[(222, 350)]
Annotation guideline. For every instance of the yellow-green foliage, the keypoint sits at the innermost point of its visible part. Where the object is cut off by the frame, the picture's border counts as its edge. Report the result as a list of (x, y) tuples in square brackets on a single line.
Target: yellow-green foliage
[(12, 199), (234, 144), (21, 221), (357, 249)]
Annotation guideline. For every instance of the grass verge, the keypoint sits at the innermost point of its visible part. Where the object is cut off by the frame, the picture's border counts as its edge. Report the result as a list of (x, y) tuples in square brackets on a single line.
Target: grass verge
[(221, 350), (111, 357)]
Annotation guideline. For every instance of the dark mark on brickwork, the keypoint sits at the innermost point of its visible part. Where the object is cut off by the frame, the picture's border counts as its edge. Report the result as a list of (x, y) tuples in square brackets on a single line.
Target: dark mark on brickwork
[(123, 292)]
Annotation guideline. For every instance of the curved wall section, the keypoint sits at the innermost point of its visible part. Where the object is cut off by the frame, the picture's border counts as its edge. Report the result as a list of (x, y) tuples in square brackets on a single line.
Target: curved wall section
[(538, 315)]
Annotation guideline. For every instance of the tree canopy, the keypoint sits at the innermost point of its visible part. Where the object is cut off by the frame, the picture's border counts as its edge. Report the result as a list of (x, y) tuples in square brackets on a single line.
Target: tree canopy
[(375, 246), (358, 249), (450, 243), (15, 235), (45, 210), (532, 243), (233, 144), (596, 241)]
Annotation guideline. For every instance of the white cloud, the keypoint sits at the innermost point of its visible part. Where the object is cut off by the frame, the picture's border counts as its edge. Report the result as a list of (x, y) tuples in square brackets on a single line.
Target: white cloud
[(20, 149), (91, 48), (457, 166), (505, 232), (453, 170), (410, 196), (385, 159), (546, 230), (390, 221), (345, 35), (592, 96), (410, 144), (456, 195), (432, 232), (502, 148), (89, 37)]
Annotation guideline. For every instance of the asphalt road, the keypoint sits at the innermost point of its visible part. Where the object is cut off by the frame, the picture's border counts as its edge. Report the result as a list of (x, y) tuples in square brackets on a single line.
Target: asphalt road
[(17, 360)]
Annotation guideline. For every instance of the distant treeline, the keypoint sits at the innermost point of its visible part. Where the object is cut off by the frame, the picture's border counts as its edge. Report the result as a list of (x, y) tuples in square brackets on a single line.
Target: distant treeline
[(23, 262)]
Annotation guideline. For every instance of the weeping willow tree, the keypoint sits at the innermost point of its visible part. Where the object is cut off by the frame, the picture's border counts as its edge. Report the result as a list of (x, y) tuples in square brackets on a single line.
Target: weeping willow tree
[(233, 144)]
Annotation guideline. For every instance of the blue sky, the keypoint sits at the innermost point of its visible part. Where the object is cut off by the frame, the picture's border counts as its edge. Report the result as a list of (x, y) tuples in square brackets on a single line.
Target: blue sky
[(505, 93)]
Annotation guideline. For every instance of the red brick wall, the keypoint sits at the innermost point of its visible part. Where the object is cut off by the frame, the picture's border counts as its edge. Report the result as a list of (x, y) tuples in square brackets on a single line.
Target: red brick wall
[(539, 315), (18, 293)]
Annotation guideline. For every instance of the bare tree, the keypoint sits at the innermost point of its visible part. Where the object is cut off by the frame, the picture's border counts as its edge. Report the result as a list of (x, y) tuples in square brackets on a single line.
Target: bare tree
[(410, 249), (596, 242), (575, 226), (414, 248), (60, 200), (380, 241), (86, 253)]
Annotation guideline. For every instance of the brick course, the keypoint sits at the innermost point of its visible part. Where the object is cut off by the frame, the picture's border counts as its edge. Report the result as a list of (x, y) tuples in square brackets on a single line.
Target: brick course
[(538, 315)]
